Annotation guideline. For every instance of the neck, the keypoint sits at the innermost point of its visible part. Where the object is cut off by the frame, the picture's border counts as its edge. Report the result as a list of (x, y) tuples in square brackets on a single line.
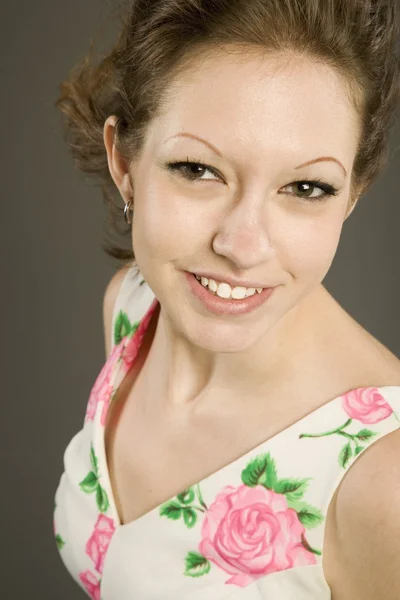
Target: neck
[(183, 375)]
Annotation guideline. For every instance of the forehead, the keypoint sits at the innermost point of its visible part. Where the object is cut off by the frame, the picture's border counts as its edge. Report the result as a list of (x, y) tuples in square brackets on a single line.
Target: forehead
[(261, 101)]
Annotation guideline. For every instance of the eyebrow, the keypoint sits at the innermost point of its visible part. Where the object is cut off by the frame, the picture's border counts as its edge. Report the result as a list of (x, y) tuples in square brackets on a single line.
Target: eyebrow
[(218, 153)]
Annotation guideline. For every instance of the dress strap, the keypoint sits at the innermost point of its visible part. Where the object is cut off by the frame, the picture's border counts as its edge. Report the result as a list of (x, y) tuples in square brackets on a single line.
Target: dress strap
[(132, 303)]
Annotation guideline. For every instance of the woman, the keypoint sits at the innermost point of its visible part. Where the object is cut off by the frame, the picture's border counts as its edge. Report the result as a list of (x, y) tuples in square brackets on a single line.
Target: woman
[(223, 453)]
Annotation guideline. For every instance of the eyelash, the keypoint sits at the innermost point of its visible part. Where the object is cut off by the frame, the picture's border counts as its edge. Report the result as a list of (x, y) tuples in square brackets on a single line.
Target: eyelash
[(328, 189)]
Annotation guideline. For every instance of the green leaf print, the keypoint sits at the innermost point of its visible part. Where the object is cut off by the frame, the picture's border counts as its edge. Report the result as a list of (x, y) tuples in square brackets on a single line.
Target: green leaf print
[(260, 471), (90, 483), (122, 327), (196, 565), (308, 515), (93, 460), (345, 455), (365, 435), (101, 499), (60, 542), (187, 496), (190, 517), (134, 327), (294, 489), (172, 510)]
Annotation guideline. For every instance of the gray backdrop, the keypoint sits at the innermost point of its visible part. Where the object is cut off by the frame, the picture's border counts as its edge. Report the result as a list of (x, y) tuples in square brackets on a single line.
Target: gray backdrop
[(54, 273)]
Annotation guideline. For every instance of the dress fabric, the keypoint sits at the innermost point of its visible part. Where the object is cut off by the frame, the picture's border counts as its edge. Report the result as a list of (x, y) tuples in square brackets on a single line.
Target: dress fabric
[(252, 530)]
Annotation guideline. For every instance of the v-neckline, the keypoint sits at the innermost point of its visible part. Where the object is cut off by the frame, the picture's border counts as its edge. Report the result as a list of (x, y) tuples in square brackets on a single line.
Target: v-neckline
[(132, 344)]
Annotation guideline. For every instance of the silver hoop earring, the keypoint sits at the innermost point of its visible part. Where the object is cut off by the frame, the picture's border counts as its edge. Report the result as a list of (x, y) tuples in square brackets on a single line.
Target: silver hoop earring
[(127, 208)]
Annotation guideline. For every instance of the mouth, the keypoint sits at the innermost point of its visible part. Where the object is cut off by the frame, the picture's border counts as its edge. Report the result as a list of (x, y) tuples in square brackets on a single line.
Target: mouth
[(226, 290), (231, 281), (220, 301)]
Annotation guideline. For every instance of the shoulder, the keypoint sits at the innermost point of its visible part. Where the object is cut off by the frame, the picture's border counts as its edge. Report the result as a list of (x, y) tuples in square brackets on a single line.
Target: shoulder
[(382, 367), (380, 361), (362, 358), (349, 356), (110, 296), (367, 525)]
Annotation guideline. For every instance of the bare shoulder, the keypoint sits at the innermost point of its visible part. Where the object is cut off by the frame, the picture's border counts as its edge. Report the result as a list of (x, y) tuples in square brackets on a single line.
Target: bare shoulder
[(381, 367), (362, 359), (364, 535), (367, 525), (110, 296)]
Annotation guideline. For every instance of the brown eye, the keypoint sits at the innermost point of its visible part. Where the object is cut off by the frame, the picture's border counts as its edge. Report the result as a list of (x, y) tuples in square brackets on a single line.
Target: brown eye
[(305, 190), (192, 171)]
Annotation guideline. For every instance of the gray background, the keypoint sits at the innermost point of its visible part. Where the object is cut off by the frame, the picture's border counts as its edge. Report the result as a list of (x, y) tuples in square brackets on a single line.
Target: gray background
[(54, 273)]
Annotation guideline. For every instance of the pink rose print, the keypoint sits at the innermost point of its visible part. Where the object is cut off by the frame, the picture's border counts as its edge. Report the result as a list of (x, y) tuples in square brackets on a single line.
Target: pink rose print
[(102, 388), (128, 349), (91, 584), (105, 410), (97, 544), (250, 532), (133, 344), (366, 405), (128, 353), (131, 349)]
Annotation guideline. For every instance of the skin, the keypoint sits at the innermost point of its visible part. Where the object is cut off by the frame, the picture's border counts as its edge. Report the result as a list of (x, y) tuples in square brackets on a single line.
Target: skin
[(266, 115)]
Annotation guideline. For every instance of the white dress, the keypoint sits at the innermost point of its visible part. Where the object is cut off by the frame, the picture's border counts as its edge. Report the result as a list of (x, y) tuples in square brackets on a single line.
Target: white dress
[(252, 530)]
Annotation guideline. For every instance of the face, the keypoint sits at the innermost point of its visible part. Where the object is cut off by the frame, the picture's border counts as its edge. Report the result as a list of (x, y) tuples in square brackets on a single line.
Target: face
[(246, 214)]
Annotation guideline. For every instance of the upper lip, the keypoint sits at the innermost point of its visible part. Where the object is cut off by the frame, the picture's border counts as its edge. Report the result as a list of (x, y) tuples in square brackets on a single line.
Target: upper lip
[(231, 280)]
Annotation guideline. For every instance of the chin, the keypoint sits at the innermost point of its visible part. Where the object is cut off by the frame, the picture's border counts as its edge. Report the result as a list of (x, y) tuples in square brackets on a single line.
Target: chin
[(221, 337)]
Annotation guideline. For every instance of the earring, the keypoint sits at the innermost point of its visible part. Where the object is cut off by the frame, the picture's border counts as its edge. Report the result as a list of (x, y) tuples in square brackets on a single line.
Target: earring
[(127, 208)]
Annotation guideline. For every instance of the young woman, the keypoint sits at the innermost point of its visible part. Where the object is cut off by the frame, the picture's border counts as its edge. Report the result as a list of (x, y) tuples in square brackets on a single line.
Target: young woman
[(242, 438)]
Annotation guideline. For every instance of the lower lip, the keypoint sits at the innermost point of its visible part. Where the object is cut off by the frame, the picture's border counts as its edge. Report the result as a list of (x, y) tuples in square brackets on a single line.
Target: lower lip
[(219, 306)]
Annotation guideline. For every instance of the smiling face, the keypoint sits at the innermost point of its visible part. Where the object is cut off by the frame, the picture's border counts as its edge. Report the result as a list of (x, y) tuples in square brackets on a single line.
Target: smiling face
[(246, 215)]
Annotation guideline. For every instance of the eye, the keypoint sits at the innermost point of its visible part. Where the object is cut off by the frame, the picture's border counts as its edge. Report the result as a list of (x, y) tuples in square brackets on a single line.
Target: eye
[(192, 170), (307, 187)]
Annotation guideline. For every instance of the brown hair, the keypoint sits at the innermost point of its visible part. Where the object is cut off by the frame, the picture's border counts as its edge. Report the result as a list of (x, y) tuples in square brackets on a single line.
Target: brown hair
[(160, 38)]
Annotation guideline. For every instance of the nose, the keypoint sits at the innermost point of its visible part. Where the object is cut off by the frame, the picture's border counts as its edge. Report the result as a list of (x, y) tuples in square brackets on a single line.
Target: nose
[(242, 236)]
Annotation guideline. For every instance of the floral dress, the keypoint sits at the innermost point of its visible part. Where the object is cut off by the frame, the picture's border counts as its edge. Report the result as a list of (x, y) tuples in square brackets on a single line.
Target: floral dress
[(252, 530)]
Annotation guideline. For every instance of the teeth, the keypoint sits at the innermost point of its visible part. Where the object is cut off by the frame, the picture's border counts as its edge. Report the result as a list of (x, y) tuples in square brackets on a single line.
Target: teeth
[(212, 285), (224, 290)]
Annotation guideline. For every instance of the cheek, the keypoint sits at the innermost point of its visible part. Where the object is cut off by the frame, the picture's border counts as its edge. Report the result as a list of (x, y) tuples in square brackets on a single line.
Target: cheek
[(309, 249), (168, 225)]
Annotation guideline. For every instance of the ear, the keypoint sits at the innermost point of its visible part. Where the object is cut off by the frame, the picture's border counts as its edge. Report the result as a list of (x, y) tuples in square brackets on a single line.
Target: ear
[(116, 163), (351, 207)]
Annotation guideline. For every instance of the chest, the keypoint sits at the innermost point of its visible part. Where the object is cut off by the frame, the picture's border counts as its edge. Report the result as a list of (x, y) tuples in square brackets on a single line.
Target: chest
[(153, 456)]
